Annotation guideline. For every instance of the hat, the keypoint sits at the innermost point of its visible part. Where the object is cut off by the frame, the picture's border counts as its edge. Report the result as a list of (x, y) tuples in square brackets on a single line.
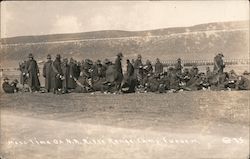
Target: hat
[(58, 56), (6, 78), (178, 59), (106, 61), (48, 56), (30, 55), (89, 61), (220, 54), (65, 60), (120, 54), (15, 81), (98, 61)]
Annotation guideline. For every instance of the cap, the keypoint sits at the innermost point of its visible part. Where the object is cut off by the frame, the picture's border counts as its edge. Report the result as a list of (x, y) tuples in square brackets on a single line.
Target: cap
[(6, 78), (48, 56), (30, 55), (120, 54)]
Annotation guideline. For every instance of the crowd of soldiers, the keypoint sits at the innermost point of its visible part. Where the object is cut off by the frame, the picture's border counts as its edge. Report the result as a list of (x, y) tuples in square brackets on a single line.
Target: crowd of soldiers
[(65, 76)]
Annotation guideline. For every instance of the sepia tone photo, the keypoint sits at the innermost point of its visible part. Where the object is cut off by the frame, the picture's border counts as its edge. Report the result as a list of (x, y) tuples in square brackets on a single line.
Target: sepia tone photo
[(124, 79)]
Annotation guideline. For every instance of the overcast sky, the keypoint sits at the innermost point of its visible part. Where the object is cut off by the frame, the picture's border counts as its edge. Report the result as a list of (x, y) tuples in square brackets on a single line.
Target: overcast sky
[(49, 17)]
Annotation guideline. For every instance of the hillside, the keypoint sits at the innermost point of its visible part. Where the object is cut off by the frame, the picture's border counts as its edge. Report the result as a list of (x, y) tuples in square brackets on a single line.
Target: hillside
[(195, 42)]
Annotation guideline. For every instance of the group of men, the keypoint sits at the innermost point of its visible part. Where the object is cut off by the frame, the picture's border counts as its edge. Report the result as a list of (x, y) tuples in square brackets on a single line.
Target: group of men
[(65, 76)]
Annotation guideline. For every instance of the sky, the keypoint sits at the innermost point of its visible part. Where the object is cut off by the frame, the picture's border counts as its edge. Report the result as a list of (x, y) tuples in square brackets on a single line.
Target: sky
[(19, 18)]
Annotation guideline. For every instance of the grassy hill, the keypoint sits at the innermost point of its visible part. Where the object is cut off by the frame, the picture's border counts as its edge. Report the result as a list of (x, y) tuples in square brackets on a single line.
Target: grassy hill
[(195, 42)]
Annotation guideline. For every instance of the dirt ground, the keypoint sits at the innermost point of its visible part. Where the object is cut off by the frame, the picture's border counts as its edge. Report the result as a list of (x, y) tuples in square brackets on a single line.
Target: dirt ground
[(201, 124)]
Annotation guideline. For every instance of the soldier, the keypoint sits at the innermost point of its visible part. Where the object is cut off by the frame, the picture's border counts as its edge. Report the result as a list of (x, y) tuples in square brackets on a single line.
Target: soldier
[(57, 74), (219, 64), (130, 82), (194, 71), (118, 67), (148, 68), (23, 77), (72, 74), (208, 72), (130, 69), (138, 62), (243, 83), (100, 69), (9, 88), (178, 66), (47, 74), (158, 67), (65, 74), (32, 74)]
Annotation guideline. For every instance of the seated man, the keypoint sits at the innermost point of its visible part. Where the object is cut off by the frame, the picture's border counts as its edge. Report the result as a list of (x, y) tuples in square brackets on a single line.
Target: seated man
[(242, 83), (9, 87)]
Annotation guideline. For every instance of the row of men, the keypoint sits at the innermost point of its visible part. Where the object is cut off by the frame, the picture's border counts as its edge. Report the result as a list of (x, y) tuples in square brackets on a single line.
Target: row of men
[(66, 76)]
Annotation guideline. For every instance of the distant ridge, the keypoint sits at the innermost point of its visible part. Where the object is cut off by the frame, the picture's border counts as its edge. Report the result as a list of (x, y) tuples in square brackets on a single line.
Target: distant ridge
[(199, 42), (121, 33)]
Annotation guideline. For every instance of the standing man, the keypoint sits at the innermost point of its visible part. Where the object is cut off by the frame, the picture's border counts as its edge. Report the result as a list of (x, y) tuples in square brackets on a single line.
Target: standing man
[(178, 66), (72, 74), (23, 78), (219, 63), (158, 67), (32, 74), (65, 73), (47, 73), (57, 74), (118, 67)]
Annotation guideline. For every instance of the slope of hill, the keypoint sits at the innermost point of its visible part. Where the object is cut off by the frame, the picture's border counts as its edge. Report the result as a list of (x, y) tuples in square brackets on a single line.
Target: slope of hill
[(196, 42)]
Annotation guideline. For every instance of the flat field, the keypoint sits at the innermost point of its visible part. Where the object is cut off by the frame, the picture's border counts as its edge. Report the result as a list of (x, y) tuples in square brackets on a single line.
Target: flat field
[(200, 124)]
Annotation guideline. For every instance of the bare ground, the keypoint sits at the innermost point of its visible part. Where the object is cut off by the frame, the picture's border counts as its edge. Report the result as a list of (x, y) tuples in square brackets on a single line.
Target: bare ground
[(197, 124)]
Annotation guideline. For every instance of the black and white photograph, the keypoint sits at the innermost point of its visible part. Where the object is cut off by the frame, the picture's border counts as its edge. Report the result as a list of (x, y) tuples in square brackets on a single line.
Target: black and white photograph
[(124, 80)]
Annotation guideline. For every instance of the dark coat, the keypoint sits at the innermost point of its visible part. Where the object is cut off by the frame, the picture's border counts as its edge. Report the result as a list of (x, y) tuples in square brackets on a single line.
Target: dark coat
[(218, 64), (33, 70), (130, 69), (57, 72), (65, 73), (72, 75), (178, 67), (118, 65), (23, 77), (158, 67), (47, 74), (137, 63), (8, 88)]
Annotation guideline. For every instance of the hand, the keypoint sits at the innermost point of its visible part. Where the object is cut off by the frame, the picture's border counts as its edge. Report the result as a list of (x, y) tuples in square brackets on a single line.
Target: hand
[(38, 74)]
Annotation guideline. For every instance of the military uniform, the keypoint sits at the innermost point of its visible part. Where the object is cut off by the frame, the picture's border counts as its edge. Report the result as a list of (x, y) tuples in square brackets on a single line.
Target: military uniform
[(158, 67), (47, 74), (32, 74), (57, 74)]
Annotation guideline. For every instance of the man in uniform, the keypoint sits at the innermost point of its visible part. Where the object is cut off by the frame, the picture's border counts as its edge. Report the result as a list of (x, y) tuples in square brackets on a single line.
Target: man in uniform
[(148, 67), (130, 81), (57, 74), (32, 74), (118, 67), (178, 66), (47, 74), (9, 87), (72, 74), (243, 83), (65, 74), (23, 77), (219, 64), (158, 67)]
